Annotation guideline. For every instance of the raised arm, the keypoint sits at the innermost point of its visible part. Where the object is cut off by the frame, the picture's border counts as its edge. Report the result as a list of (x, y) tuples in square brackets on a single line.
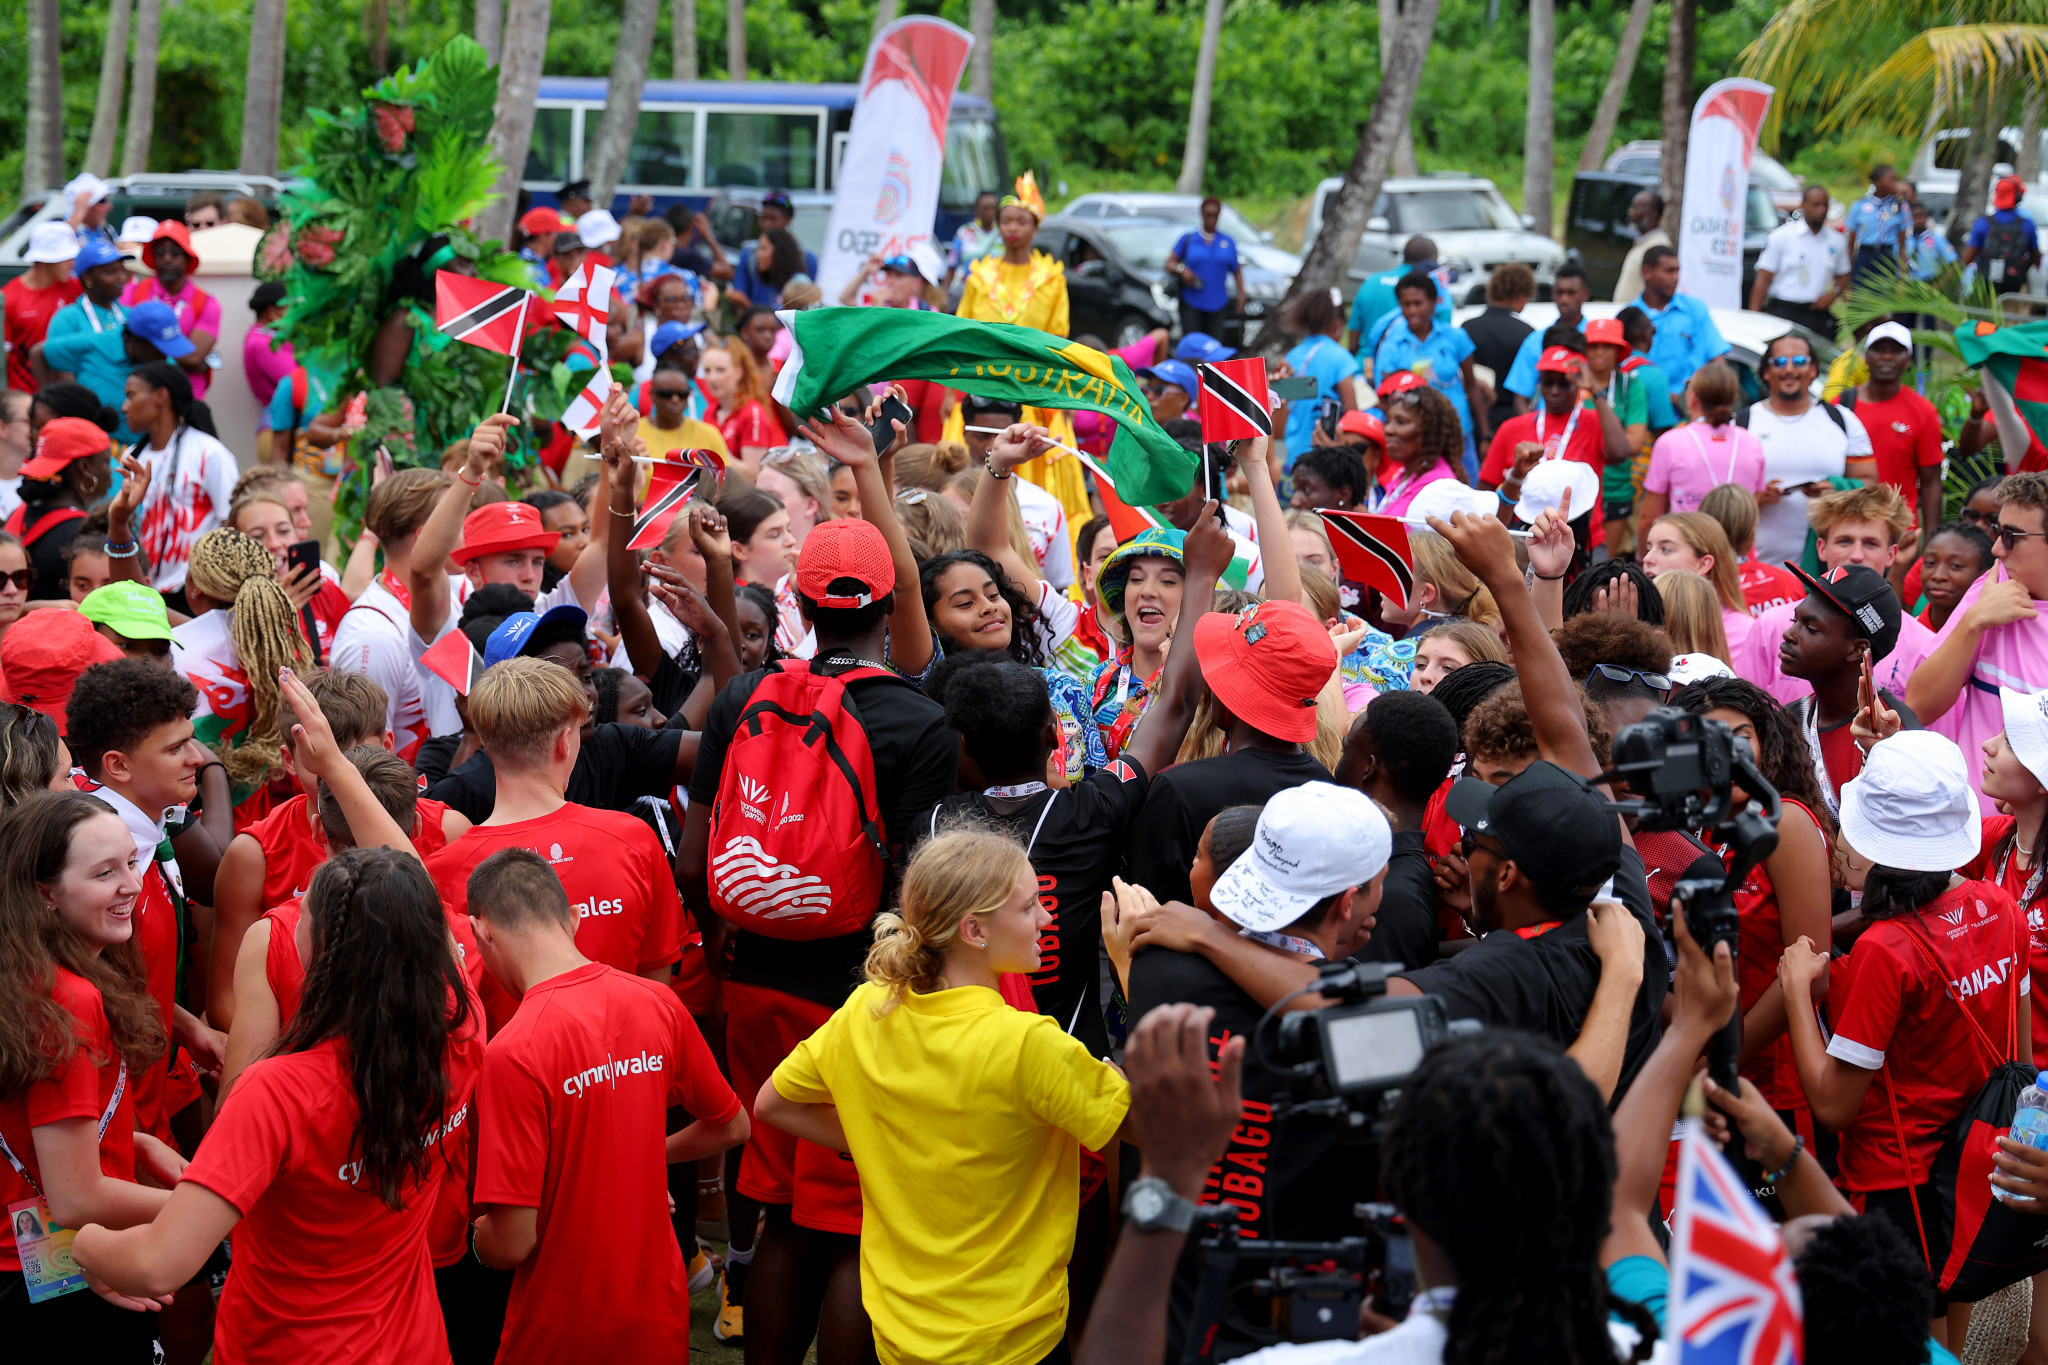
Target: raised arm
[(1205, 555), (622, 566), (1617, 938), (442, 533), (847, 441), (988, 516), (121, 520), (1283, 575)]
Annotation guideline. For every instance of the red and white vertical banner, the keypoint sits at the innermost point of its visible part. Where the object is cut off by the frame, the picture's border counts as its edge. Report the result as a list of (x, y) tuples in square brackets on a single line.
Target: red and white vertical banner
[(888, 195), (1724, 127)]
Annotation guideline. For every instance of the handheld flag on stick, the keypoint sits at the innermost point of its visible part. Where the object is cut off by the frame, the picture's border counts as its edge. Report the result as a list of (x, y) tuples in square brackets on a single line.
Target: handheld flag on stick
[(1236, 405), (583, 305), (1733, 1294), (453, 659), (1373, 550), (484, 314), (664, 503), (687, 459)]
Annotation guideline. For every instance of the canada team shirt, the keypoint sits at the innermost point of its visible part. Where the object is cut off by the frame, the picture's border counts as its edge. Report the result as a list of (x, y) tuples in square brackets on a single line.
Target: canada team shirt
[(572, 1120), (1997, 862)]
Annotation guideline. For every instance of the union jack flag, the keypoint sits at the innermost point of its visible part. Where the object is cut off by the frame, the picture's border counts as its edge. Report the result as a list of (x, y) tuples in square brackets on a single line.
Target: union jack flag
[(1734, 1300)]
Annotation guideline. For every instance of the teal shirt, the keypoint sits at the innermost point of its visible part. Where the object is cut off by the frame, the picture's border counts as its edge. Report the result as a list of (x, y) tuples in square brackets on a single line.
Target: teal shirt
[(99, 358), (1375, 300), (1656, 386)]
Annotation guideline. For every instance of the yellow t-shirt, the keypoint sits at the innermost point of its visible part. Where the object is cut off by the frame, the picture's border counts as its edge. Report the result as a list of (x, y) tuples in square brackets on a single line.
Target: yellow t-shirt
[(691, 435), (966, 1119), (1845, 371)]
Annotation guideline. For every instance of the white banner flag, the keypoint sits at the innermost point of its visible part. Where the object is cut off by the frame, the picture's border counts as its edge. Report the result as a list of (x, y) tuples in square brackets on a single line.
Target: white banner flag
[(888, 183), (1724, 127)]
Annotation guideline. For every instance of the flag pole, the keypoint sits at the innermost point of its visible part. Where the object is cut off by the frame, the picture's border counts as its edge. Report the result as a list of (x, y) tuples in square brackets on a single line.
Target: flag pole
[(518, 337)]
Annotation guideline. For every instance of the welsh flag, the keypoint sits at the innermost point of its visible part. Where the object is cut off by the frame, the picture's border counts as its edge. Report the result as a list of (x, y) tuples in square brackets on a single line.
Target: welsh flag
[(2014, 362), (839, 349)]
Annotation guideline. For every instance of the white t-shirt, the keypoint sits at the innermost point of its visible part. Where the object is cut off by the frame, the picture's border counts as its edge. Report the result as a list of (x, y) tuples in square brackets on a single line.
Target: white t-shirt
[(1057, 615), (1803, 264), (1419, 1340), (1797, 450), (372, 640), (191, 484)]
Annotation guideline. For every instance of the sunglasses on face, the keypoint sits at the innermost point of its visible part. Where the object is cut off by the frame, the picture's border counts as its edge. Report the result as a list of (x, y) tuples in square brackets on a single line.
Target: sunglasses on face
[(1616, 673), (1789, 362), (20, 578), (2011, 536), (1977, 518), (666, 395)]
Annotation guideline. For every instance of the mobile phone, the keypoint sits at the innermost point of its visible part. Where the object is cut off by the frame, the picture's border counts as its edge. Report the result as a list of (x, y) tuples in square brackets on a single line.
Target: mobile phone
[(302, 555), (1327, 416), (384, 465), (883, 428), (1299, 389)]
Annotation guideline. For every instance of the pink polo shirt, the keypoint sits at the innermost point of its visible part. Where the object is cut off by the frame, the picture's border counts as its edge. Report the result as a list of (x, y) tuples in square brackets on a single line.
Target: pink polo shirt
[(193, 315)]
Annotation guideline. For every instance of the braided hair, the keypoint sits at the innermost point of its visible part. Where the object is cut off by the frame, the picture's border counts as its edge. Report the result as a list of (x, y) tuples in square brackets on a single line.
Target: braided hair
[(190, 412), (236, 570), (606, 682), (1504, 1122), (384, 983)]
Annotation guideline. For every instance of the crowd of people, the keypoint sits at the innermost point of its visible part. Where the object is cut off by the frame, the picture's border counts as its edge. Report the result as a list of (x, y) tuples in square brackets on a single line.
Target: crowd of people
[(861, 903)]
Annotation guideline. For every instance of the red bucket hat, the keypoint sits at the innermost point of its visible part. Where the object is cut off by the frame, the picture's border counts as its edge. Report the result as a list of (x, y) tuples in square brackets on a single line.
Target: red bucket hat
[(43, 654), (172, 231), (498, 527), (1267, 663)]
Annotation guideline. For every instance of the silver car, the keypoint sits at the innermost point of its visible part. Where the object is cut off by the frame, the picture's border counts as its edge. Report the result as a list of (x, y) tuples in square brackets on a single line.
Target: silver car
[(158, 195), (1474, 228)]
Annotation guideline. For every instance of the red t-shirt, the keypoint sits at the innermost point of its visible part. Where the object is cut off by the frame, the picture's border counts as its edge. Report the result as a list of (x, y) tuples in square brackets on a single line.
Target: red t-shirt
[(1894, 1009), (329, 605), (1905, 436), (281, 965), (1760, 942), (1766, 585), (156, 938), (293, 847), (324, 1269), (1915, 583), (614, 871), (1588, 446), (1995, 856), (571, 1117), (753, 424), (28, 321), (80, 1088)]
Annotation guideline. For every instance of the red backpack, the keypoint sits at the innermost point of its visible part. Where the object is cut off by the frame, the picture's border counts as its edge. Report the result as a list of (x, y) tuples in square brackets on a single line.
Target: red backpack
[(797, 848)]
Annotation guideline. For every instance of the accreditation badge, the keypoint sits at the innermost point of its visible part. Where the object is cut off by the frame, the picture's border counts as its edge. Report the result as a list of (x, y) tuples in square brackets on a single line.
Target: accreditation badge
[(45, 1250)]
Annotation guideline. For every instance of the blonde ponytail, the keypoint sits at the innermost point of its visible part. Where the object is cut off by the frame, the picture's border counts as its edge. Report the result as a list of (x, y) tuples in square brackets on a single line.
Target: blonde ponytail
[(960, 872), (228, 566)]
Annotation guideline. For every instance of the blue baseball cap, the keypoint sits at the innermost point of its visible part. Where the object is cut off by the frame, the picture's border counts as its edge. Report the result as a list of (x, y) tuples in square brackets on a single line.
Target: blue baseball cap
[(1176, 373), (156, 324), (508, 641), (1199, 348), (669, 333), (95, 250)]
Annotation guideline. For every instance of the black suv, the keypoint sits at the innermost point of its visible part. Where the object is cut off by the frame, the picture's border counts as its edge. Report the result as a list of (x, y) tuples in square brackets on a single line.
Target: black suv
[(1116, 279), (1598, 233)]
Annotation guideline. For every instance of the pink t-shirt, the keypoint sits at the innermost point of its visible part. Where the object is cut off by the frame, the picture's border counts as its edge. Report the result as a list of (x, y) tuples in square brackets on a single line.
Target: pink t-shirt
[(192, 316), (1402, 492), (1689, 461), (2014, 655), (1757, 657), (266, 366)]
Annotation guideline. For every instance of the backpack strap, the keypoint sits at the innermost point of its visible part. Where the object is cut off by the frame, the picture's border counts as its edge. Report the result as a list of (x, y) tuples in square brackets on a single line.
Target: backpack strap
[(1834, 412), (48, 521), (1846, 401), (1912, 1181), (1997, 1060)]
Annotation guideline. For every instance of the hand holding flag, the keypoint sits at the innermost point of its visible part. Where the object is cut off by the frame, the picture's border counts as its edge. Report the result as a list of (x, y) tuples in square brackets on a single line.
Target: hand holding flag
[(453, 659), (480, 312), (1734, 1297)]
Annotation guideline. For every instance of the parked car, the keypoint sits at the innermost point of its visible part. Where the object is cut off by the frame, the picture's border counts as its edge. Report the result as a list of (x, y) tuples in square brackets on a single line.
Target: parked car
[(151, 196), (1474, 228), (1253, 244), (1646, 157), (1117, 286), (1598, 232)]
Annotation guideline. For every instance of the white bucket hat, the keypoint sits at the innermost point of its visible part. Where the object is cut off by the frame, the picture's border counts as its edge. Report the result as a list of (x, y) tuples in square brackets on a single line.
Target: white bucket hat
[(51, 243), (1544, 489), (1446, 496), (1696, 667), (597, 229), (1912, 807), (2026, 729), (1312, 842)]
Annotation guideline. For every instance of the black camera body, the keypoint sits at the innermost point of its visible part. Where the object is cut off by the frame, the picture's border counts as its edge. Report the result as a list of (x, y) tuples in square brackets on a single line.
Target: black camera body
[(1345, 1058)]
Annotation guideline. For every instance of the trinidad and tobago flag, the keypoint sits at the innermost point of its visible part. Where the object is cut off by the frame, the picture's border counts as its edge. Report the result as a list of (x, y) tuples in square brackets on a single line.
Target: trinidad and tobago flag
[(478, 311), (1236, 404), (665, 500), (452, 658), (1373, 550)]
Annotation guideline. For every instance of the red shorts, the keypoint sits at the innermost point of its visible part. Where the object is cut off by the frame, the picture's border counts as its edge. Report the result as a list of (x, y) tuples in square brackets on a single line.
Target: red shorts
[(763, 1026)]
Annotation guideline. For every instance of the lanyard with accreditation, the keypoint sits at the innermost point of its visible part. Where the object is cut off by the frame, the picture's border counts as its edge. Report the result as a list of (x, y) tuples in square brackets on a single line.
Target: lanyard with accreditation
[(43, 1244)]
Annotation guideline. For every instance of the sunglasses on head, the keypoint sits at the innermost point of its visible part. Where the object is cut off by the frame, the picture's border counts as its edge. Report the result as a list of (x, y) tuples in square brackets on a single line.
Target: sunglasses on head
[(20, 578), (1789, 362), (28, 716), (2011, 536), (1616, 673)]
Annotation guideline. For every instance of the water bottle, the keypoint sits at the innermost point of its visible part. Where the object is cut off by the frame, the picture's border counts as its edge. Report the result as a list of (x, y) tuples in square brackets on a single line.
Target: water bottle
[(2029, 1125)]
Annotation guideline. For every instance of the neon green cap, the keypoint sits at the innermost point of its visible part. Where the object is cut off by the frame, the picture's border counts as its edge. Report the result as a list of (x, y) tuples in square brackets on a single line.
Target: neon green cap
[(134, 610)]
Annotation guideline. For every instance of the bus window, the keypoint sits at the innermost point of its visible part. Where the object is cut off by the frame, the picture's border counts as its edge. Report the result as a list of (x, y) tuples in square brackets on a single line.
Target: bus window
[(547, 156), (663, 141), (974, 163), (776, 151)]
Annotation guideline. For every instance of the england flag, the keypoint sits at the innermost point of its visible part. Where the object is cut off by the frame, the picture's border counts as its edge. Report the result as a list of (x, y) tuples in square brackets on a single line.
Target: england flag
[(583, 305)]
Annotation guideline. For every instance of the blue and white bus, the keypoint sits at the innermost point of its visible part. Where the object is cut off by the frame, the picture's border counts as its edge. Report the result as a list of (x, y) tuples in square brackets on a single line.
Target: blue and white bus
[(698, 138)]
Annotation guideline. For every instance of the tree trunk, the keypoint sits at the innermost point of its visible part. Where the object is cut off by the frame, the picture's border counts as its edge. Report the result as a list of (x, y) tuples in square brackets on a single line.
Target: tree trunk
[(106, 109), (142, 93), (490, 27), (377, 35), (885, 15), (1194, 158), (2029, 167), (1678, 62), (608, 150), (1390, 23), (1609, 113), (263, 90), (735, 40), (1345, 215), (1973, 184), (42, 165), (1539, 125), (683, 41), (519, 68), (981, 62)]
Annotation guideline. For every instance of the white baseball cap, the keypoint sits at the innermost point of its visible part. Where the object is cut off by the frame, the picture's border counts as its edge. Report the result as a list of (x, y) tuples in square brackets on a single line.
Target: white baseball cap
[(52, 242), (1446, 496), (1696, 667), (87, 181), (2026, 729), (1888, 331), (1912, 807), (1543, 490), (136, 229), (597, 228), (1312, 842)]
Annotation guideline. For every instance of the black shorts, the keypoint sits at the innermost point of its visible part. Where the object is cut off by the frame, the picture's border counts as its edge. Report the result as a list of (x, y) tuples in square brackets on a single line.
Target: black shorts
[(74, 1326), (1926, 1230)]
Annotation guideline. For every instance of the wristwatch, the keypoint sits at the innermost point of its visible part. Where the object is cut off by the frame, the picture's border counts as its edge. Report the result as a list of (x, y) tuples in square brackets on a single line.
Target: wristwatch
[(1153, 1206)]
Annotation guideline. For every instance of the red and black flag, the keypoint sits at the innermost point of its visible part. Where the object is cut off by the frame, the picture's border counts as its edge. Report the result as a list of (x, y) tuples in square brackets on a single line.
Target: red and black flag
[(479, 312), (1373, 550), (1236, 404), (664, 503), (452, 658)]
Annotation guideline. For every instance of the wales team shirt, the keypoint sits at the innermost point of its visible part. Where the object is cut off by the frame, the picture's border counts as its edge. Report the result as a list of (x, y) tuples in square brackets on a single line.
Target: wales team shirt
[(571, 1116)]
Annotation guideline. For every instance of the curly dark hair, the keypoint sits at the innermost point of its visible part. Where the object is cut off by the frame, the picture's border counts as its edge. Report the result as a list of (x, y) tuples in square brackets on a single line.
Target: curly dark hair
[(1578, 594), (1463, 689), (1781, 753), (1604, 638), (1866, 1293), (115, 705), (1000, 709), (1443, 437), (1499, 727), (1025, 645), (1338, 466)]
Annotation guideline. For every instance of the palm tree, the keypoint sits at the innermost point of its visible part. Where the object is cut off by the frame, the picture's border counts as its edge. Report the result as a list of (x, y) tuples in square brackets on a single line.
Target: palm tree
[(1194, 158), (1539, 127), (981, 61), (490, 27), (735, 40), (519, 67), (142, 94), (1679, 51), (377, 33), (682, 41), (608, 150), (1390, 26), (263, 90), (1601, 134), (106, 109), (42, 165)]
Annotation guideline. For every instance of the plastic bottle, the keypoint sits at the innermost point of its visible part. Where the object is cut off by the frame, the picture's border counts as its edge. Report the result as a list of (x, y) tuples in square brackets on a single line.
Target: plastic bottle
[(2029, 1125)]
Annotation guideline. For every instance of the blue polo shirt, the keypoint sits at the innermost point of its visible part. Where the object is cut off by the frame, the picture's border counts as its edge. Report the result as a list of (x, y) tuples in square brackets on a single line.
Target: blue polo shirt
[(1324, 360), (1686, 337), (1213, 262), (1445, 350), (1375, 301), (1522, 374), (87, 340), (758, 291), (1878, 222)]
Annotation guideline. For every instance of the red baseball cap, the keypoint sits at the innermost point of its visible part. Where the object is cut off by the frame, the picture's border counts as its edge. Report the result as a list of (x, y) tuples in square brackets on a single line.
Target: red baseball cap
[(540, 222), (1364, 424), (2006, 193), (61, 441), (173, 231), (1559, 360), (42, 655), (1400, 381), (1266, 664), (1606, 332), (497, 527), (845, 547)]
